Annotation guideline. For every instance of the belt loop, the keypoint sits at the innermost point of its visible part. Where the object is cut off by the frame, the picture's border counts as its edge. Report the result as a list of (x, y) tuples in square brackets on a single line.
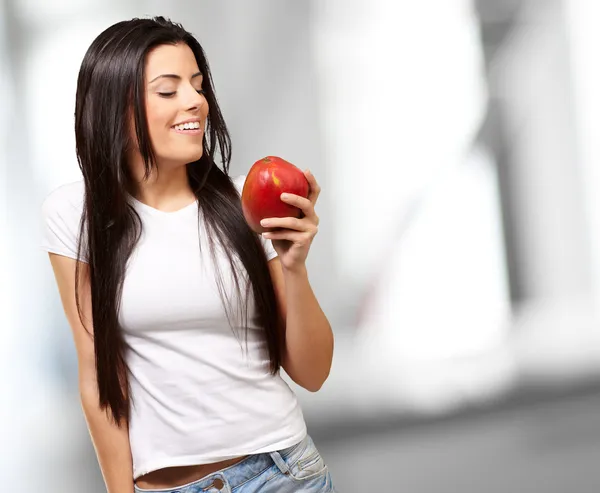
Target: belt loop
[(281, 464)]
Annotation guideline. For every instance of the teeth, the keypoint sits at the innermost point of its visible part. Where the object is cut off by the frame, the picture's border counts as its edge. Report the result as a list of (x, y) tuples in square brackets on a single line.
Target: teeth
[(187, 126)]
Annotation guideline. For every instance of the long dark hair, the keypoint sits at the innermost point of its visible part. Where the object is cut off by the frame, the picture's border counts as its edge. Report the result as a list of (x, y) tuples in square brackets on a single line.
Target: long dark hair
[(110, 87)]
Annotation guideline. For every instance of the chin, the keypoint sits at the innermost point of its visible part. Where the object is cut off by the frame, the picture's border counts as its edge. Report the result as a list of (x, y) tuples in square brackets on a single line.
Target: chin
[(198, 155), (192, 156)]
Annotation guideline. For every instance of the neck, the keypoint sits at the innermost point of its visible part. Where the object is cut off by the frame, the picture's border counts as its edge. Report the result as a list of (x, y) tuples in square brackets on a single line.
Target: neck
[(166, 187)]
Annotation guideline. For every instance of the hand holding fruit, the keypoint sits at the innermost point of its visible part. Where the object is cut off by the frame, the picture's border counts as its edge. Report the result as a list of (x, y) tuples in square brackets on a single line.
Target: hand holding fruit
[(278, 200)]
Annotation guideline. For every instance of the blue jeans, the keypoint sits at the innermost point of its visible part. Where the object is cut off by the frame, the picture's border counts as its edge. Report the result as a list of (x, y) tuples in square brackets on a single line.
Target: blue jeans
[(299, 468)]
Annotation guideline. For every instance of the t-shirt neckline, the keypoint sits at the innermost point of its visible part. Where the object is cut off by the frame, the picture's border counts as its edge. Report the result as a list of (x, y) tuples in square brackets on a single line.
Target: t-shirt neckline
[(158, 212)]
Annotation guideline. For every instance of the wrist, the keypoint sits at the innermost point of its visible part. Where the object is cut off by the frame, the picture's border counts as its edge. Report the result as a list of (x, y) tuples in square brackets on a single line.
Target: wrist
[(295, 270)]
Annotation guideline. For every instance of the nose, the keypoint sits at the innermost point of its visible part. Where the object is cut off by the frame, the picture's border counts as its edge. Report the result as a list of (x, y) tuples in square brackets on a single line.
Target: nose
[(194, 101)]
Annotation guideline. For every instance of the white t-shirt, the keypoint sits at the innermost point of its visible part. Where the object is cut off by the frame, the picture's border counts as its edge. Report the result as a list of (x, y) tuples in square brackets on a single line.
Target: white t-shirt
[(199, 395)]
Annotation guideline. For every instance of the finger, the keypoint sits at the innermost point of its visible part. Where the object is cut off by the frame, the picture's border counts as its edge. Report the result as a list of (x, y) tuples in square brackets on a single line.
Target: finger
[(297, 237), (304, 204), (287, 223), (315, 189)]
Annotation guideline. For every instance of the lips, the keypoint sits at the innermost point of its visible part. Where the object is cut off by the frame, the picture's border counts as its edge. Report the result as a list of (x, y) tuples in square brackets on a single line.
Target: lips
[(195, 131)]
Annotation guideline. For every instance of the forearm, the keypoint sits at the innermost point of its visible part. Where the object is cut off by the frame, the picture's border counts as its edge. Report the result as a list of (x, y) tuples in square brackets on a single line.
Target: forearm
[(309, 338), (110, 442)]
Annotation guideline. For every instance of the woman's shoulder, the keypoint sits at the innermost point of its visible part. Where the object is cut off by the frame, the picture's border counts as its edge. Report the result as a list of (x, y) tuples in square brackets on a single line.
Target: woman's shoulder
[(65, 199), (61, 216), (239, 181)]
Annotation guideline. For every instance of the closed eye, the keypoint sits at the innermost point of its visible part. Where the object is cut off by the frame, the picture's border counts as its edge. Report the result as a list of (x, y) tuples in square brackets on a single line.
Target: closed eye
[(171, 94)]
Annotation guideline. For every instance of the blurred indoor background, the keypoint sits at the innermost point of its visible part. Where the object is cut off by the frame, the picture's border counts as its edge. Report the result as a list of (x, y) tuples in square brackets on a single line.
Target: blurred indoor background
[(458, 257)]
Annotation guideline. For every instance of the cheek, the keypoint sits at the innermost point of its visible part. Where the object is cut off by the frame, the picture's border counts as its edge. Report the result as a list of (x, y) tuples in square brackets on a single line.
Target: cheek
[(158, 124)]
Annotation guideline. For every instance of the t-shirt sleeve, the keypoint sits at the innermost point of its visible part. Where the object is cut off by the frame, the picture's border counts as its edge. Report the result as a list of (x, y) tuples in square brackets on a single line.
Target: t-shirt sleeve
[(266, 243), (268, 247), (60, 225)]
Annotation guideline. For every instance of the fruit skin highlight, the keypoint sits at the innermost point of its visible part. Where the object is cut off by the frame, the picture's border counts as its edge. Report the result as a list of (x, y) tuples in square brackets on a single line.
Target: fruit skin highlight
[(267, 179)]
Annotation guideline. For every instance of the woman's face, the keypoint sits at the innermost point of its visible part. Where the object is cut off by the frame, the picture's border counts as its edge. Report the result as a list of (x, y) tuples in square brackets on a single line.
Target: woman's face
[(173, 97)]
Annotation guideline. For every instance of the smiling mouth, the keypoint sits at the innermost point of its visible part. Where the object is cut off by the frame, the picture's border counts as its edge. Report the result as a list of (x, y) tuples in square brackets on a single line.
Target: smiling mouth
[(188, 131), (195, 131), (190, 126)]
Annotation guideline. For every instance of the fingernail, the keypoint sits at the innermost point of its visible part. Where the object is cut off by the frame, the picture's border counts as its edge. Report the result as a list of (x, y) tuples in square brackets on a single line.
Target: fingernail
[(264, 222), (285, 195)]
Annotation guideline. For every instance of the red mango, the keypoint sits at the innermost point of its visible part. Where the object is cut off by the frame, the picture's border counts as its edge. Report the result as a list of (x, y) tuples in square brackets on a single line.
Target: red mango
[(267, 179)]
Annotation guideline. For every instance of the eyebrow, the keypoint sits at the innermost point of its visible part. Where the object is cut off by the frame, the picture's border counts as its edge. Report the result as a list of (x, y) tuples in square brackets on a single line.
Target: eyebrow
[(174, 76)]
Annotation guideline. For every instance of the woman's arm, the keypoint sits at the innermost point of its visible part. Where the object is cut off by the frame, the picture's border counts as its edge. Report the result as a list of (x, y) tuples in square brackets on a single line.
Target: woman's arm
[(110, 441), (308, 352)]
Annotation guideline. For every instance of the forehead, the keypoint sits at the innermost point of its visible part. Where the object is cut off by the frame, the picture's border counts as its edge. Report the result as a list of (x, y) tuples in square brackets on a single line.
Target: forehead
[(171, 59)]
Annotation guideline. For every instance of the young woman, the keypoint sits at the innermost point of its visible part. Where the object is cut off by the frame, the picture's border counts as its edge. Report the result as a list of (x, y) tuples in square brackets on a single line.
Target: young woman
[(182, 316)]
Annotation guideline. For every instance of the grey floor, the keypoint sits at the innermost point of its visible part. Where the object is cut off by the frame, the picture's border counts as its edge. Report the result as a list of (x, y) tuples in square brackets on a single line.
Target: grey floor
[(549, 445)]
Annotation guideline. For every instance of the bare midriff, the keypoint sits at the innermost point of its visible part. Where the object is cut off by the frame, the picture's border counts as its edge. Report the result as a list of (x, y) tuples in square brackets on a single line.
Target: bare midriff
[(173, 477)]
